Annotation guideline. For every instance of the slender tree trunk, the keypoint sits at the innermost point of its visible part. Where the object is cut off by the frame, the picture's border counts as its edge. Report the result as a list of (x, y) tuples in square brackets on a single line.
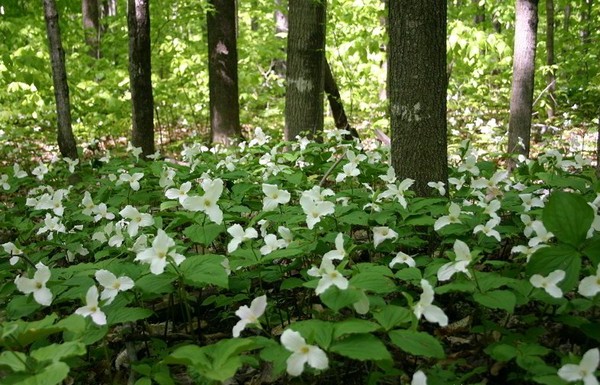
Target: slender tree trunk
[(335, 103), (91, 26), (480, 15), (305, 60), (417, 86), (138, 22), (567, 22), (109, 8), (550, 78), (66, 139), (521, 101), (586, 12), (223, 72)]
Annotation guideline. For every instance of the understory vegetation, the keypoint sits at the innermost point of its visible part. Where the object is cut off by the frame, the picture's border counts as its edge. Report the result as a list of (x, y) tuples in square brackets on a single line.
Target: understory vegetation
[(270, 260)]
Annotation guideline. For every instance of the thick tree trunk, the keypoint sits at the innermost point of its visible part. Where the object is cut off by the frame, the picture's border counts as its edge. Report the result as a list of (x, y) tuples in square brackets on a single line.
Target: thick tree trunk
[(138, 23), (521, 101), (336, 105), (550, 78), (305, 60), (66, 140), (417, 86), (222, 71), (91, 26)]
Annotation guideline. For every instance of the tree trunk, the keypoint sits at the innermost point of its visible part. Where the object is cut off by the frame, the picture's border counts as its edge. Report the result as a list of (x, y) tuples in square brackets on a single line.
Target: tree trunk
[(305, 60), (521, 101), (550, 78), (66, 140), (91, 26), (417, 86), (138, 23), (109, 8), (585, 31), (567, 22), (480, 15), (222, 72), (335, 103)]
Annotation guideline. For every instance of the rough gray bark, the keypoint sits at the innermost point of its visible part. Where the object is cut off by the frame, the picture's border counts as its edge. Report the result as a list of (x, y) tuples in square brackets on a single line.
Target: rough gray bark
[(142, 102), (66, 139), (550, 78), (223, 71), (417, 86), (521, 100), (305, 60), (91, 26)]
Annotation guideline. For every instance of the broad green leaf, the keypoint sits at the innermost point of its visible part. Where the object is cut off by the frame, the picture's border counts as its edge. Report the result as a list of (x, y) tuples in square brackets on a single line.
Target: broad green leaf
[(315, 330), (223, 350), (551, 379), (503, 352), (127, 314), (156, 284), (568, 216), (355, 218), (14, 360), (52, 374), (363, 347), (497, 299), (56, 352), (203, 234), (202, 270), (391, 316), (559, 257), (144, 381), (188, 355), (408, 273), (417, 343), (336, 299), (353, 326), (374, 282)]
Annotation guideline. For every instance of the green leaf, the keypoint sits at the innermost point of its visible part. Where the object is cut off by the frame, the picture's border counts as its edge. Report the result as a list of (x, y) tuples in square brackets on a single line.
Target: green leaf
[(127, 314), (156, 284), (188, 355), (52, 374), (56, 352), (202, 270), (551, 258), (372, 281), (503, 352), (144, 381), (358, 217), (203, 234), (551, 379), (417, 343), (497, 299), (14, 360), (336, 299), (315, 330), (568, 216), (353, 326), (391, 316), (408, 274), (363, 347)]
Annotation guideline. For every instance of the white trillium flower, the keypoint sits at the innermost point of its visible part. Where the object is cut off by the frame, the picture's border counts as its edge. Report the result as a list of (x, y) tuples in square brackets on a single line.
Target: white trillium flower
[(249, 315), (13, 251), (402, 258), (101, 211), (339, 252), (156, 256), (549, 283), (52, 225), (36, 285), (381, 233), (419, 378), (425, 307), (590, 286), (530, 201), (389, 177), (302, 353), (526, 250), (439, 186), (460, 263), (239, 235), (112, 285), (271, 244), (584, 371), (274, 197), (527, 221), (329, 276), (489, 229), (207, 203), (40, 171), (88, 204), (133, 180), (18, 172), (91, 308), (136, 219), (542, 235), (452, 217), (180, 193), (286, 235), (315, 210)]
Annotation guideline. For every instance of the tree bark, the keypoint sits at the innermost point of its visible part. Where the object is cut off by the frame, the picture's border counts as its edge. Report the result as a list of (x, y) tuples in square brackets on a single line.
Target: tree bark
[(305, 60), (336, 105), (550, 78), (91, 26), (585, 31), (223, 72), (521, 101), (138, 23), (567, 17), (66, 139), (417, 86)]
